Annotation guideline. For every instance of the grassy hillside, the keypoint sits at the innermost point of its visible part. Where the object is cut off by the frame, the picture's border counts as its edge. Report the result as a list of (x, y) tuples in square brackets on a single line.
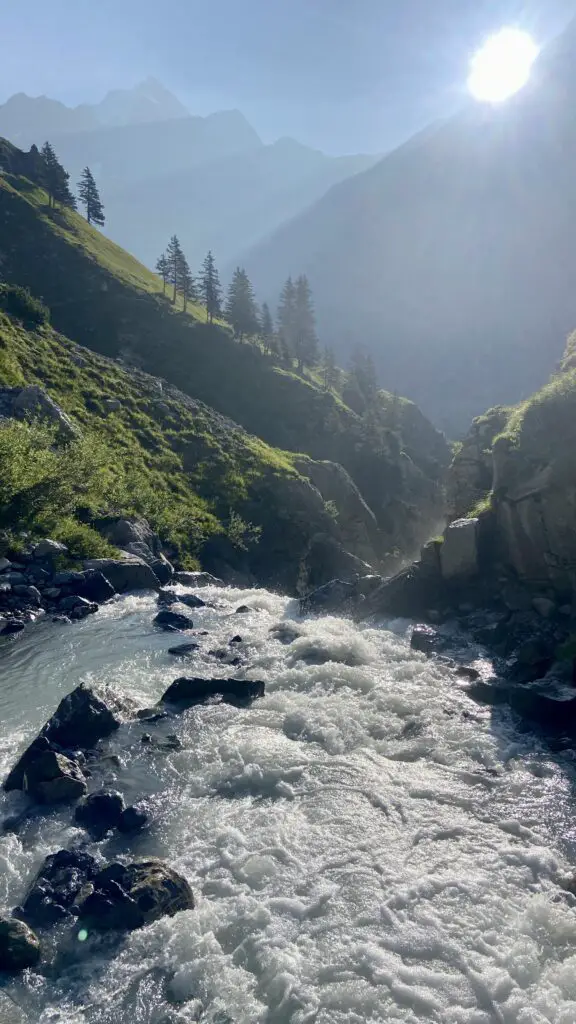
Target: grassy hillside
[(101, 297), (211, 490)]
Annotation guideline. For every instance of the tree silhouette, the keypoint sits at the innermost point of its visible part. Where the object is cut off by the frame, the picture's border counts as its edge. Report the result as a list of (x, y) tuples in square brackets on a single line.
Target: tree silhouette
[(267, 332), (330, 371), (174, 258), (55, 179), (287, 320), (186, 283), (90, 198), (163, 270), (210, 289), (305, 338), (241, 310)]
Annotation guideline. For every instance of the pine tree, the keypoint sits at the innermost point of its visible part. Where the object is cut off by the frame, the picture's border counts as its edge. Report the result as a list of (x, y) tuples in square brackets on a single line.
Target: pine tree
[(174, 257), (186, 283), (363, 373), (330, 372), (210, 289), (287, 321), (305, 337), (241, 310), (267, 331), (163, 270), (55, 179), (90, 198)]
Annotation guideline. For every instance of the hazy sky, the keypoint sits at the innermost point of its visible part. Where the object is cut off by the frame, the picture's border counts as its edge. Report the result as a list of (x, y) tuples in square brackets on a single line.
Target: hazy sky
[(344, 75)]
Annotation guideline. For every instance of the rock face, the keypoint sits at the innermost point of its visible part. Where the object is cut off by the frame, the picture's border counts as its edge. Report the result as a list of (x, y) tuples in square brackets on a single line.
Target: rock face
[(82, 718), (196, 691), (19, 946), (459, 551), (128, 896), (358, 524)]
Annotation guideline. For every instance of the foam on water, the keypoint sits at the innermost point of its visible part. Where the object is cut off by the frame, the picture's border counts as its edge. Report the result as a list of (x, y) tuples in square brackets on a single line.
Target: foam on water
[(365, 843)]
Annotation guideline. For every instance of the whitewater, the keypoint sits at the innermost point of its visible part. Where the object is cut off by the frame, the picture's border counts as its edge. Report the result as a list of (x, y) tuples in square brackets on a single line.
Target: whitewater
[(365, 843)]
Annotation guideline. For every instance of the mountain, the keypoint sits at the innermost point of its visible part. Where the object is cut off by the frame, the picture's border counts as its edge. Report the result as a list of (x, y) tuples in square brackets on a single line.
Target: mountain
[(27, 119), (453, 257), (160, 170), (382, 483)]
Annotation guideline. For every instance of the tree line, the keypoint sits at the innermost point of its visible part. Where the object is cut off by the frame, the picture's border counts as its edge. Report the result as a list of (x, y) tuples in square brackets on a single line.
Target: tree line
[(51, 175)]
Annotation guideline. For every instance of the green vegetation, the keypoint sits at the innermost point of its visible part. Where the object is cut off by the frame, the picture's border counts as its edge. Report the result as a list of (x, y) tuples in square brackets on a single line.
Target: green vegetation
[(20, 303), (141, 451), (90, 198)]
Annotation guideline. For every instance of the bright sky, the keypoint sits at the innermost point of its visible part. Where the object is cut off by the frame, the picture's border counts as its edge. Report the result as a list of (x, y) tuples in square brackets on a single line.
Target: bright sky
[(344, 76)]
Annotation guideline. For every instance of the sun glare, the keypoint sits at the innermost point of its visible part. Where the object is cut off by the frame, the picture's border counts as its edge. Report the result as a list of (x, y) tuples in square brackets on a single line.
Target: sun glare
[(502, 66)]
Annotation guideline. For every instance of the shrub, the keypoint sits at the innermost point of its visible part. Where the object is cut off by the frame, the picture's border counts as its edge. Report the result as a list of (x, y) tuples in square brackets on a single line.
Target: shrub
[(20, 303)]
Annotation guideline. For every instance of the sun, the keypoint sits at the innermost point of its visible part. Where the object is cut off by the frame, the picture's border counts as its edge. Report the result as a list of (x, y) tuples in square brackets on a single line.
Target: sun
[(502, 66)]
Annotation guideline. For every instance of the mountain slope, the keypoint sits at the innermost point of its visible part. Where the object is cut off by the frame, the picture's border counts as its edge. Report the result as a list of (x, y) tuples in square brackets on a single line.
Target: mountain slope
[(452, 258), (101, 297)]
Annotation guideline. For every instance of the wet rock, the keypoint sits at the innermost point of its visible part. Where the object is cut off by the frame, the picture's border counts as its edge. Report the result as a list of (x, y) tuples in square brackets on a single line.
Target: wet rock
[(243, 609), (132, 819), (191, 601), (49, 549), (331, 596), (285, 633), (129, 896), (86, 715), (77, 607), (151, 715), (236, 640), (173, 621), (198, 579), (28, 594), (426, 639), (467, 672), (54, 778), (19, 946), (52, 593), (125, 574), (549, 706), (166, 598), (14, 626), (63, 620), (184, 650), (100, 811), (3, 623), (516, 598), (146, 738), (59, 884), (192, 691), (94, 586), (5, 563), (544, 606)]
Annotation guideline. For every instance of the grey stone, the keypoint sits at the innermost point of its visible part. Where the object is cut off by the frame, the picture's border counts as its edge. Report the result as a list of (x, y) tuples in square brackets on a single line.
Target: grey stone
[(19, 946), (132, 819), (62, 881), (101, 810), (5, 563), (173, 621), (49, 549), (426, 639), (52, 593), (125, 575), (198, 579), (3, 623), (31, 594), (459, 550), (544, 606)]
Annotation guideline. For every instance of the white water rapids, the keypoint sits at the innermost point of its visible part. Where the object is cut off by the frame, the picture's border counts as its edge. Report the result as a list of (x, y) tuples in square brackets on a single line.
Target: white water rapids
[(365, 843)]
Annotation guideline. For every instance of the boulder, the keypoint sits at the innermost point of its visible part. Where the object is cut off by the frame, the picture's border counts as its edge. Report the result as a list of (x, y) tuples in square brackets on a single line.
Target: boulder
[(61, 882), (5, 564), (77, 607), (100, 811), (198, 579), (19, 946), (184, 650), (53, 778), (330, 597), (3, 623), (93, 586), (21, 403), (132, 819), (544, 606), (86, 715), (459, 550), (125, 574), (426, 639), (239, 692), (172, 622), (122, 532), (49, 550), (29, 595), (128, 896), (166, 598), (551, 706)]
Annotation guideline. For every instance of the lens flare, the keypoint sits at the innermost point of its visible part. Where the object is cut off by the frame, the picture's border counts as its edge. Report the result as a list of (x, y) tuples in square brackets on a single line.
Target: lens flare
[(503, 65)]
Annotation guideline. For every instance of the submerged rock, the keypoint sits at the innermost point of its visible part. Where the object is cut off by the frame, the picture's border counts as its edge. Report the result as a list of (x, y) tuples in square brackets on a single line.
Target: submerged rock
[(132, 819), (128, 896), (125, 574), (196, 691), (173, 621), (19, 946), (184, 650)]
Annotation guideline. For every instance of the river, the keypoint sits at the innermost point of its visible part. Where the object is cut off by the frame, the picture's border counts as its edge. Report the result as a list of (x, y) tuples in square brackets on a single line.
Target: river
[(365, 843)]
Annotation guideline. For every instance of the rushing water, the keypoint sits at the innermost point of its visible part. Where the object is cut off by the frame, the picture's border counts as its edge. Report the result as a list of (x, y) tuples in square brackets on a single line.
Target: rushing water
[(365, 843)]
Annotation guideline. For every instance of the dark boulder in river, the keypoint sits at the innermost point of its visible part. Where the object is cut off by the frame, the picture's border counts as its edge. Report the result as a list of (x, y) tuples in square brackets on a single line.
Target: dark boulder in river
[(86, 715), (173, 622), (128, 896), (100, 811), (61, 883), (19, 946), (196, 691), (53, 778)]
